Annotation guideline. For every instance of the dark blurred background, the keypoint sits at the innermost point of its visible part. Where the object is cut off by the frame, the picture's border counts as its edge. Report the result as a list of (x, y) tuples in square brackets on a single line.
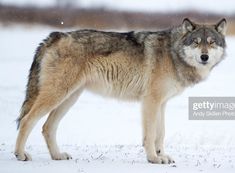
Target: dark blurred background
[(114, 15)]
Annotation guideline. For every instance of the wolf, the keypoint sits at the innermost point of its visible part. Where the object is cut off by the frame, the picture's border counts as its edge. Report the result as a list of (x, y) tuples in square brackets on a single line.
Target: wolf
[(150, 67)]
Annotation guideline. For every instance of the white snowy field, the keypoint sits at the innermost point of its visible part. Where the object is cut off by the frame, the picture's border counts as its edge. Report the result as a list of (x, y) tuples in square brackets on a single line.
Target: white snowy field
[(104, 135)]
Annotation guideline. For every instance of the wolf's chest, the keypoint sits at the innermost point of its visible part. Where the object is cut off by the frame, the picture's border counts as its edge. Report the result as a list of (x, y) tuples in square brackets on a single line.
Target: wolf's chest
[(171, 89)]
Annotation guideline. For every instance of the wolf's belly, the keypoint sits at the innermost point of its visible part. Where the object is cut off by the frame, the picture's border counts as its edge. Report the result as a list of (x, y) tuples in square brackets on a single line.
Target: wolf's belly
[(125, 89)]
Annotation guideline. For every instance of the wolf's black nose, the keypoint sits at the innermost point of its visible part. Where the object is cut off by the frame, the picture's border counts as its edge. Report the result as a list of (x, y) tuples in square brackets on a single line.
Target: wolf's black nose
[(204, 57)]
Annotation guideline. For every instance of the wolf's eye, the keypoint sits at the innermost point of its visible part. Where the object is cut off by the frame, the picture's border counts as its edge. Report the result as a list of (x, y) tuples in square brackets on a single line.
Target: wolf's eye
[(212, 42), (195, 41)]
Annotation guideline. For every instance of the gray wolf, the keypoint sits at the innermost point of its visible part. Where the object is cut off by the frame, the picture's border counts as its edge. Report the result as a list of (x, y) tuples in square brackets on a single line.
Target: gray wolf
[(150, 67)]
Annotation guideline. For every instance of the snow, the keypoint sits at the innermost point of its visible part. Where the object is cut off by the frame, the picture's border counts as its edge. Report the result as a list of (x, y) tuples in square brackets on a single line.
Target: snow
[(104, 135), (222, 7)]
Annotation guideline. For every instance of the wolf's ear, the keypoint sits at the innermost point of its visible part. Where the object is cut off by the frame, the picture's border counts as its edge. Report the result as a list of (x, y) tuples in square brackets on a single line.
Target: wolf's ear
[(187, 26), (221, 26)]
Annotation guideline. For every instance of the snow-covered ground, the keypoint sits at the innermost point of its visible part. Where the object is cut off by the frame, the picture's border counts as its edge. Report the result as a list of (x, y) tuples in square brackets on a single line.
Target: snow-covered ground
[(215, 6), (104, 135)]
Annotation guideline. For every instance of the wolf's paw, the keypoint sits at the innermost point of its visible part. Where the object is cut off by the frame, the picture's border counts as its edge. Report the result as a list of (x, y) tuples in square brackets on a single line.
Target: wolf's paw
[(23, 156), (161, 159), (61, 156), (167, 158)]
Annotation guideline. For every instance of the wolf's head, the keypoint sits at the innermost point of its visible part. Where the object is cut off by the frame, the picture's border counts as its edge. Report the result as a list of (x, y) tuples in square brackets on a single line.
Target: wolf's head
[(201, 46)]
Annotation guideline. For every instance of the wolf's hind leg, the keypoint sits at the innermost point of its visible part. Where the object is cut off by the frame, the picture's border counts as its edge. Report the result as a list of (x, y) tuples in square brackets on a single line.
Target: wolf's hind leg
[(45, 102), (51, 125)]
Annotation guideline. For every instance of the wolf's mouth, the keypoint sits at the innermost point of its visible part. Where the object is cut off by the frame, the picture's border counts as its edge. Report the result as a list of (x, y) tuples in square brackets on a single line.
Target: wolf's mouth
[(203, 63)]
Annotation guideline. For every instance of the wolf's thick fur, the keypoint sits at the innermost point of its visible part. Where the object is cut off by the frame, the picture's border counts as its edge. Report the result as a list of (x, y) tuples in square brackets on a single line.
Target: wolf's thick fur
[(150, 67)]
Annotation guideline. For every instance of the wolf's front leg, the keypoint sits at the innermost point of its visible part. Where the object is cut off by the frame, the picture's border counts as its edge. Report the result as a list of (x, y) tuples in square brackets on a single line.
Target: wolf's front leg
[(152, 127), (160, 135)]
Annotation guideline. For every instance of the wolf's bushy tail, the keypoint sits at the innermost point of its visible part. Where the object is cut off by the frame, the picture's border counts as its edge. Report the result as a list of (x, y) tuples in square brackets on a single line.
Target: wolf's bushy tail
[(32, 85), (33, 78)]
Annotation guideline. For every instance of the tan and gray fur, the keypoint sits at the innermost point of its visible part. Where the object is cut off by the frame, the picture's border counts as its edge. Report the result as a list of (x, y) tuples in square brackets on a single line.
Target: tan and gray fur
[(150, 67)]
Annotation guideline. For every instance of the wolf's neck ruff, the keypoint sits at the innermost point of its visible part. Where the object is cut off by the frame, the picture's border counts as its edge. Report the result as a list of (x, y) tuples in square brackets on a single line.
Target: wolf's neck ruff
[(185, 73)]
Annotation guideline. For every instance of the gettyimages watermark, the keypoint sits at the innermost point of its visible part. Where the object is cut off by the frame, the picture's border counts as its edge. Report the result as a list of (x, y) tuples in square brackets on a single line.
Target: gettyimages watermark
[(211, 108)]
